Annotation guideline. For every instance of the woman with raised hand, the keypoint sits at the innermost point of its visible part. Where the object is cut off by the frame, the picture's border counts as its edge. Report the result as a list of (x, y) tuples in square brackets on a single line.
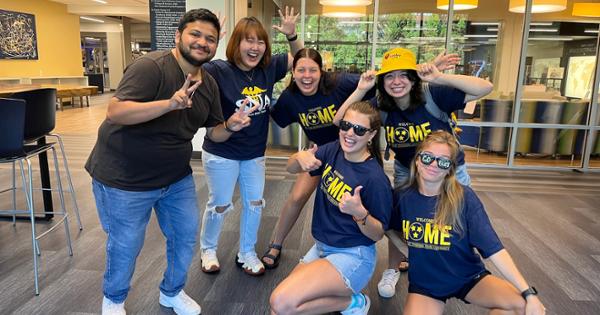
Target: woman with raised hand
[(444, 223), (312, 99), (412, 98), (245, 81), (350, 214)]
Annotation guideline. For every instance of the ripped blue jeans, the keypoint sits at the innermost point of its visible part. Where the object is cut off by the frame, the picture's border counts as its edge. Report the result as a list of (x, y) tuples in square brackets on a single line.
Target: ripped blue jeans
[(221, 176)]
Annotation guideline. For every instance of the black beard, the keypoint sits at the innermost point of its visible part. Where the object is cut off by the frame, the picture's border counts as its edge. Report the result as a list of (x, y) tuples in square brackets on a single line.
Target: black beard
[(188, 56)]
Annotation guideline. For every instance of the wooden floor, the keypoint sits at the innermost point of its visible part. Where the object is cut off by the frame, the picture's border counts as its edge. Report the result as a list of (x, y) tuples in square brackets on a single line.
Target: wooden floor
[(549, 221)]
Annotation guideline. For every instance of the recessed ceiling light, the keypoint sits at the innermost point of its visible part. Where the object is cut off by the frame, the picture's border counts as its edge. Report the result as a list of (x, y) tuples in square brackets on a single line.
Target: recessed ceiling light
[(91, 19), (100, 1)]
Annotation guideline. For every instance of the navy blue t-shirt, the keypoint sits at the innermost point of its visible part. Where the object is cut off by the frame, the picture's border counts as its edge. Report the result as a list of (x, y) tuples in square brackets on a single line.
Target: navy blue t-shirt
[(315, 113), (235, 86), (404, 130), (441, 262), (338, 175)]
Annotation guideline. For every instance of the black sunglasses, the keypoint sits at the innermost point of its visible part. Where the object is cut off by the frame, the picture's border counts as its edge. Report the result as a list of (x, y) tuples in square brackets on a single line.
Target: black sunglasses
[(358, 129), (442, 162)]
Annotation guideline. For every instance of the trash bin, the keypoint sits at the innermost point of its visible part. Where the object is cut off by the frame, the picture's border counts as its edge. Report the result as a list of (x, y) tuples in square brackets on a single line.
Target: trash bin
[(544, 141), (495, 139)]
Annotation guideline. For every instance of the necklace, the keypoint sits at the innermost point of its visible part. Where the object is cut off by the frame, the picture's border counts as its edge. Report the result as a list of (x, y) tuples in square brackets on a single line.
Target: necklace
[(249, 77)]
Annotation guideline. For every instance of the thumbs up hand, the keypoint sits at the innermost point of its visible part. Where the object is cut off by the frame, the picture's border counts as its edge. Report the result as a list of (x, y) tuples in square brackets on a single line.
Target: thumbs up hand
[(352, 204), (307, 160)]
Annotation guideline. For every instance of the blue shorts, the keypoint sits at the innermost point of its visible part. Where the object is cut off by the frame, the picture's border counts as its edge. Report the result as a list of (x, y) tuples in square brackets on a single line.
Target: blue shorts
[(355, 264), (460, 293)]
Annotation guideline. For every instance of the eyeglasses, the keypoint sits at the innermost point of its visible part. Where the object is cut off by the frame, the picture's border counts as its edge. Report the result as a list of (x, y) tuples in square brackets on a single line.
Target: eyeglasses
[(358, 129), (442, 162)]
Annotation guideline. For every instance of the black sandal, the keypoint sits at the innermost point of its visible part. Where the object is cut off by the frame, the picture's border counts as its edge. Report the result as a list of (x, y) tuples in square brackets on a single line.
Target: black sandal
[(274, 258), (403, 269)]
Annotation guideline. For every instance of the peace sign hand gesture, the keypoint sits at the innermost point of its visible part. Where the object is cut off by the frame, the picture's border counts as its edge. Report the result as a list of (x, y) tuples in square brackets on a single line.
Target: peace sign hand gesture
[(428, 72), (352, 204), (367, 80), (182, 98), (445, 61), (288, 22), (240, 119)]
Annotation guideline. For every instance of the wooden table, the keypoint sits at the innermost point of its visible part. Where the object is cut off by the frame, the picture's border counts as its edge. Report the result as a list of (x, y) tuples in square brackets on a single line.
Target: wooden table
[(62, 91)]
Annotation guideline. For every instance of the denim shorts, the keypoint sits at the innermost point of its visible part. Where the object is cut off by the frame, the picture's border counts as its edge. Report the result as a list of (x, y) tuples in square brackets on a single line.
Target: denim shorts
[(355, 264), (460, 293)]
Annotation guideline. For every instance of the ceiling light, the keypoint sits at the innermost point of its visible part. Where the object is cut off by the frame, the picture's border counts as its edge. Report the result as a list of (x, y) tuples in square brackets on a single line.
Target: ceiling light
[(345, 3), (91, 19), (100, 1), (591, 31), (480, 35), (551, 38), (486, 23), (538, 6), (492, 29), (586, 9), (345, 12), (540, 23), (458, 4), (547, 30)]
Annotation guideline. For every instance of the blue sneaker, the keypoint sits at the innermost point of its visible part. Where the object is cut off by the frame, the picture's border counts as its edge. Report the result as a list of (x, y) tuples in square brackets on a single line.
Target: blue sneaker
[(360, 309)]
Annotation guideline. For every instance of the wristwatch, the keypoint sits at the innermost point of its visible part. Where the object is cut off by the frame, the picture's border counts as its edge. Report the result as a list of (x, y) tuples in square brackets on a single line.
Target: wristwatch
[(529, 291)]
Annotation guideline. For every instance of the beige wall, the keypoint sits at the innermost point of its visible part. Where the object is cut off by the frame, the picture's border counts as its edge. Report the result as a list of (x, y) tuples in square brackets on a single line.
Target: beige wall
[(59, 47)]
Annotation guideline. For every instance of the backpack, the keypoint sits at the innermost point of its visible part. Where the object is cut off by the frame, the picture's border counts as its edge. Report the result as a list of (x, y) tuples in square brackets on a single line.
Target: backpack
[(434, 110)]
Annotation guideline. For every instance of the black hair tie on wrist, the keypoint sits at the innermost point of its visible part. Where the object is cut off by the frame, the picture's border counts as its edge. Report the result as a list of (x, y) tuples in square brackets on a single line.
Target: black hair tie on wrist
[(293, 38), (227, 127)]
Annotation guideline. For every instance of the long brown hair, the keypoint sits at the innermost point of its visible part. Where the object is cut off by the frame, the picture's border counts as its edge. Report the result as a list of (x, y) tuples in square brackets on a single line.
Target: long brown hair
[(327, 82), (243, 29), (450, 201), (366, 108)]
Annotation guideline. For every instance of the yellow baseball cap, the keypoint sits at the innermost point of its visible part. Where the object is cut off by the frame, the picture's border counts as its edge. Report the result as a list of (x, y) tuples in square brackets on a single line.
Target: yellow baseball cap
[(398, 59)]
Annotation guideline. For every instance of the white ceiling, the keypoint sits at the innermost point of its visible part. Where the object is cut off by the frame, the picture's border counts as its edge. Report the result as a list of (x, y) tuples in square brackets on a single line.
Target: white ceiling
[(135, 9)]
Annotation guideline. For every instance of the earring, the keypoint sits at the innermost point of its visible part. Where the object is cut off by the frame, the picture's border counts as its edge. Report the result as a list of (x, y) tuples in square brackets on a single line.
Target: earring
[(369, 142)]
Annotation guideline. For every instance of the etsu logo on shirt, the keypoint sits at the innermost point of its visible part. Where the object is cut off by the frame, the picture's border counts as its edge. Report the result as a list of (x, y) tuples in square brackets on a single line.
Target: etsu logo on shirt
[(256, 96), (317, 117), (423, 233), (407, 133), (332, 183)]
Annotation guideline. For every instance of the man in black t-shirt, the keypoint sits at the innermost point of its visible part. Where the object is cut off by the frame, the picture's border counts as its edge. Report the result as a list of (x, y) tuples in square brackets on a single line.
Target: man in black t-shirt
[(141, 159)]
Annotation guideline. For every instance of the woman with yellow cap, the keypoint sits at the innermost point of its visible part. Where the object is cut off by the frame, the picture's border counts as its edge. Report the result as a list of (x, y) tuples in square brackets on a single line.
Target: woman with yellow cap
[(408, 96)]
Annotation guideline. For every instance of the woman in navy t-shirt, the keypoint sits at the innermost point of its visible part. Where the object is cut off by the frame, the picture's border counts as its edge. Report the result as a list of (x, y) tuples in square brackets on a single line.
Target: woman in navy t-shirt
[(351, 212), (245, 82), (312, 99), (443, 223), (405, 93)]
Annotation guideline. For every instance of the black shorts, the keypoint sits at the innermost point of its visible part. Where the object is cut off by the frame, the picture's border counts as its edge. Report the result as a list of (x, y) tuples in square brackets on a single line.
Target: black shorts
[(461, 293)]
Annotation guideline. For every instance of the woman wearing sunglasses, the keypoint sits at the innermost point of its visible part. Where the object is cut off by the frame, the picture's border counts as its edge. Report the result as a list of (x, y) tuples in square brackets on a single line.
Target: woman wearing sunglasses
[(406, 94), (351, 212), (443, 223), (311, 100)]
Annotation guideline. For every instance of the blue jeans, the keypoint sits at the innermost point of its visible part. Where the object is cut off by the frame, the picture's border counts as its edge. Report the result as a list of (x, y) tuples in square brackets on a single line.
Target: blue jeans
[(354, 264), (124, 216), (221, 177), (402, 173)]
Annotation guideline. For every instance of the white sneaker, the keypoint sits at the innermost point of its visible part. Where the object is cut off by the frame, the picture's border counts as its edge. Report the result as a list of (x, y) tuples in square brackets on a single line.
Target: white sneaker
[(209, 261), (111, 308), (250, 263), (182, 304), (363, 310), (387, 284)]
